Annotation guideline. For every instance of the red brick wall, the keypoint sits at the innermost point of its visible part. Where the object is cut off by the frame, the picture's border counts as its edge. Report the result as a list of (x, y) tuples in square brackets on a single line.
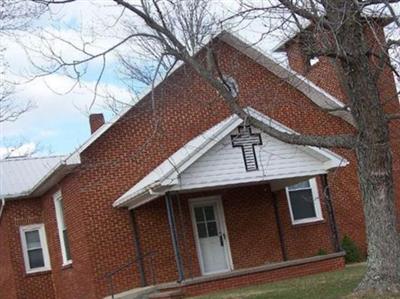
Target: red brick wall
[(305, 240), (102, 237), (77, 277), (7, 275), (37, 285), (347, 200), (250, 219)]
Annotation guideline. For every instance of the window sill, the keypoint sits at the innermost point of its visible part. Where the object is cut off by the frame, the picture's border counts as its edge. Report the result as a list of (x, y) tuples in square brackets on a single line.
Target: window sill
[(38, 273), (66, 266), (308, 223)]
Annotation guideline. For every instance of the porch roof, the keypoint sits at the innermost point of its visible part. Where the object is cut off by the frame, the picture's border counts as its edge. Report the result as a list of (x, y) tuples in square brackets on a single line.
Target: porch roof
[(189, 167)]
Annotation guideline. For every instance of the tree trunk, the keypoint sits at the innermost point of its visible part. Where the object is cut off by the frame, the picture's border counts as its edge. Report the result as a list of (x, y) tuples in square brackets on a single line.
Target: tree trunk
[(374, 156), (376, 181)]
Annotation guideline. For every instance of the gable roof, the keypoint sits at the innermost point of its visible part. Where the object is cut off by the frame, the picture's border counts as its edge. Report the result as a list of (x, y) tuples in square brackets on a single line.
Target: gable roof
[(20, 175), (317, 95), (165, 177)]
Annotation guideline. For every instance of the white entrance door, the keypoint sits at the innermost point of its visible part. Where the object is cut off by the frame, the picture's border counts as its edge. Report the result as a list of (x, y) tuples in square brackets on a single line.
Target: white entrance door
[(211, 238)]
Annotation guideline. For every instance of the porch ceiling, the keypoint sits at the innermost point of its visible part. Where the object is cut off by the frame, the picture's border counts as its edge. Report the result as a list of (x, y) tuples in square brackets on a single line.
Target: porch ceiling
[(229, 155)]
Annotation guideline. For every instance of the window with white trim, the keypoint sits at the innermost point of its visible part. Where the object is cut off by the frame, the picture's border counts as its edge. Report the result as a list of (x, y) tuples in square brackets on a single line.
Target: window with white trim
[(303, 200), (34, 248), (62, 228)]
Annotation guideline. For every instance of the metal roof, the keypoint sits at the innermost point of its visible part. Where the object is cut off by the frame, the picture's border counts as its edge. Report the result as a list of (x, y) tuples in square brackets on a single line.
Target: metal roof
[(19, 175)]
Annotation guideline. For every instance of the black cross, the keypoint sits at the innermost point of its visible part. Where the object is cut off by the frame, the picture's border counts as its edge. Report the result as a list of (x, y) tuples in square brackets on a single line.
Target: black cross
[(246, 140)]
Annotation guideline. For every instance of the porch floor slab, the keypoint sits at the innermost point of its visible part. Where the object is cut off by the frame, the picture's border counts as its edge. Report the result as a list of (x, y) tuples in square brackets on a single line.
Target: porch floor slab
[(260, 274)]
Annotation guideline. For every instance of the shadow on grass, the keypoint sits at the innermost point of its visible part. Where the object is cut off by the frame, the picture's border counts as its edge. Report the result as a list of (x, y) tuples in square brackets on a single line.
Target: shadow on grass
[(331, 285)]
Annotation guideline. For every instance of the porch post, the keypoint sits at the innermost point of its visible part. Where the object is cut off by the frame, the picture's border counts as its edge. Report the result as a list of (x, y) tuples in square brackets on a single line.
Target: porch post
[(331, 213), (174, 236), (279, 225), (138, 248)]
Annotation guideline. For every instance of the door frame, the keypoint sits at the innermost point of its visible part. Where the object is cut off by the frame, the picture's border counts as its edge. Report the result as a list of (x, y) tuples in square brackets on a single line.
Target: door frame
[(221, 217)]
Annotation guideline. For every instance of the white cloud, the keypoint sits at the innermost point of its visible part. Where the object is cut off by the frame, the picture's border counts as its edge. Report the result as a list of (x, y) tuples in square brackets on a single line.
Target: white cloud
[(25, 149), (57, 114)]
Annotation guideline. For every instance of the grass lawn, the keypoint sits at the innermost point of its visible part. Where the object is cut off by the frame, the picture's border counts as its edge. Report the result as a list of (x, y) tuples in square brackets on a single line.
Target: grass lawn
[(330, 285)]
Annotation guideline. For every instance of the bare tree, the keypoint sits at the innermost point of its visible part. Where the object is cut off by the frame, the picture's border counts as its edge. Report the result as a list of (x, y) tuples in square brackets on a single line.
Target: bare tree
[(15, 16), (18, 15), (10, 110), (173, 31)]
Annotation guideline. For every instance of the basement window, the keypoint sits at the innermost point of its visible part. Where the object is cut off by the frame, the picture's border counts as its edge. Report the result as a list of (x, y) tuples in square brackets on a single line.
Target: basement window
[(303, 201), (34, 248), (62, 229)]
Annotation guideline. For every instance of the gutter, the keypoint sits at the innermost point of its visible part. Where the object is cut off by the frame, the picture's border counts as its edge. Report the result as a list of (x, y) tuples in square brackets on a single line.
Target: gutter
[(40, 187)]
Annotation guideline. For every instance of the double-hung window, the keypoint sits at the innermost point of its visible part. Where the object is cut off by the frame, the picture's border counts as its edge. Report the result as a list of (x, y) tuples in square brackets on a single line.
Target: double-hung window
[(62, 228), (303, 200), (34, 248)]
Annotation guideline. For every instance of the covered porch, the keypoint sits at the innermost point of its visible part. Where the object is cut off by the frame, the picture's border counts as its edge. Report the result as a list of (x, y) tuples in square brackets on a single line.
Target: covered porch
[(235, 206)]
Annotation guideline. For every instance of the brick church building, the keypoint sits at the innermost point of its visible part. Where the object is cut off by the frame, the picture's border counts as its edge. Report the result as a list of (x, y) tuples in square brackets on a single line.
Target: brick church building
[(180, 195)]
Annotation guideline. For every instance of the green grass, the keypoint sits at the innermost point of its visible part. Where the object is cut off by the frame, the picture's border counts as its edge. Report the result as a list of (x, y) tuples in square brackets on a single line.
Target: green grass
[(330, 285)]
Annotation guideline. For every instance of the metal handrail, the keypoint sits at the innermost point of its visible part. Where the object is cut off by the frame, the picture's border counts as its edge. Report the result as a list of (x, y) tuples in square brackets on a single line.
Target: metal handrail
[(109, 276)]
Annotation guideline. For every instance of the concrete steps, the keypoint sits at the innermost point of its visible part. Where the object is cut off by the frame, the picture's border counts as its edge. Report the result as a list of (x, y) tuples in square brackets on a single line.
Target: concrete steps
[(175, 294), (137, 293)]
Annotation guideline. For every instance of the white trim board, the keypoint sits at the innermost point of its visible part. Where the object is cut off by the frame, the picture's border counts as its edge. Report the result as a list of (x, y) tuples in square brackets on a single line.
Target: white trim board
[(61, 226)]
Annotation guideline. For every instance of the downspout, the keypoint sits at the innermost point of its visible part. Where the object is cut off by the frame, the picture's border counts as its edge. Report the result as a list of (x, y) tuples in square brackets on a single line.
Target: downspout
[(331, 214), (3, 203)]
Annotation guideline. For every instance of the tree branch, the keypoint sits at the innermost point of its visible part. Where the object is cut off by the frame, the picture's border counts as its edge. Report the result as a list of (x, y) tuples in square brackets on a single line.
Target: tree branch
[(302, 12), (394, 116), (375, 2)]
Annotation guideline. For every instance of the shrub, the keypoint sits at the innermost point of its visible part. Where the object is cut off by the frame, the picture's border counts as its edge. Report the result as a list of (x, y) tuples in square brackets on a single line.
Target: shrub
[(353, 253), (322, 251)]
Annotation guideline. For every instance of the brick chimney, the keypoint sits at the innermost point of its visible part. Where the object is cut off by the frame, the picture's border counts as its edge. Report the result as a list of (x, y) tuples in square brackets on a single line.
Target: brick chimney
[(324, 72), (96, 120), (298, 60)]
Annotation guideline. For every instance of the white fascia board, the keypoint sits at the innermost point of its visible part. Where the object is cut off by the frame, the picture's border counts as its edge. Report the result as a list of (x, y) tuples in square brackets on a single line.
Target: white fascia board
[(149, 196), (281, 45), (52, 178), (241, 181), (54, 174), (145, 195)]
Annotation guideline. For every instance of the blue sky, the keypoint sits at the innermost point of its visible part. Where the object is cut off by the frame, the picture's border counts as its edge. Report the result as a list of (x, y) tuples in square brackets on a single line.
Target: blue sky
[(59, 122)]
